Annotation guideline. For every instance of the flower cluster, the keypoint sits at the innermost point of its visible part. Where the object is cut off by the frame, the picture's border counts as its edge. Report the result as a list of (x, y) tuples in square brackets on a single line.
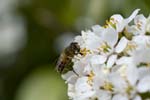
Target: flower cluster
[(114, 61)]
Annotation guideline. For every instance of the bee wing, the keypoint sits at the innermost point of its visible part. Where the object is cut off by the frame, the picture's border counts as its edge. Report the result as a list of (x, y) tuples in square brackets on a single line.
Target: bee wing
[(60, 63)]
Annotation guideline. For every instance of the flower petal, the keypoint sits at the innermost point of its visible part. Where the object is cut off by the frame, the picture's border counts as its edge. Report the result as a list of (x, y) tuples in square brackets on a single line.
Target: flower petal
[(71, 90), (117, 18), (144, 84), (132, 16), (112, 59), (70, 77), (98, 59), (137, 97), (98, 30), (91, 41), (121, 45), (118, 82), (120, 97), (124, 23), (110, 36), (124, 60), (132, 78), (83, 89)]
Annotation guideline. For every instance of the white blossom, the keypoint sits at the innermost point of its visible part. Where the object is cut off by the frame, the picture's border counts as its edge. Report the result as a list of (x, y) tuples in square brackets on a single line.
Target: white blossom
[(114, 61), (120, 22), (140, 25)]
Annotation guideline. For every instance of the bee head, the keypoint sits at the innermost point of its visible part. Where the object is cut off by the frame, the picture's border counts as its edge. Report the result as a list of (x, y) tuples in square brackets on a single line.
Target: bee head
[(75, 47)]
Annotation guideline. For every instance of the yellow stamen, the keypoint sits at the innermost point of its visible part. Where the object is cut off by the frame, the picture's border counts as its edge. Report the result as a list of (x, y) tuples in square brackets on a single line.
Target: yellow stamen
[(90, 77), (85, 51), (131, 46), (129, 89), (107, 86), (104, 47)]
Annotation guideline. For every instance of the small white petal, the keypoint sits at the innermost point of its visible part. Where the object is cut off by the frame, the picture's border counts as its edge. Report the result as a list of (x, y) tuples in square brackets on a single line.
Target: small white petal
[(121, 45), (124, 60), (87, 69), (83, 89), (91, 41), (133, 15), (141, 56), (118, 21), (67, 75), (98, 30), (137, 98), (79, 40), (140, 19), (144, 84), (140, 24), (79, 67), (120, 97), (71, 90), (83, 67), (132, 78), (125, 22), (110, 36), (112, 59), (133, 30), (118, 82), (70, 77), (143, 71), (103, 95), (140, 39), (98, 59), (117, 18)]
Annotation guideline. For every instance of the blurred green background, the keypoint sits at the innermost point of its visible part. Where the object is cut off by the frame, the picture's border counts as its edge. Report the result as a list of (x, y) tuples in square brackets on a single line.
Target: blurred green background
[(34, 32)]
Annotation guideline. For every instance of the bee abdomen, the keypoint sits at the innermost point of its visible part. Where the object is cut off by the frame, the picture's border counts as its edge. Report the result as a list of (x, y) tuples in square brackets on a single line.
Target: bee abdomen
[(60, 66)]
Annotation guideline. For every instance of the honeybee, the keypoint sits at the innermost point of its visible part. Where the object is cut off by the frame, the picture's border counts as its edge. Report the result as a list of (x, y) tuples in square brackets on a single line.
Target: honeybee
[(64, 62)]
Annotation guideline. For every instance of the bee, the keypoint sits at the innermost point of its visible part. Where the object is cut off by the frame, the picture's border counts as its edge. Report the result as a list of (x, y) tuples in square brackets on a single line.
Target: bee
[(64, 62)]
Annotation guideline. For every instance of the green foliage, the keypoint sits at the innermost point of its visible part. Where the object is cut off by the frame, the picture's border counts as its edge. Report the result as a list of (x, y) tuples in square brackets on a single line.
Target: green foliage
[(42, 84)]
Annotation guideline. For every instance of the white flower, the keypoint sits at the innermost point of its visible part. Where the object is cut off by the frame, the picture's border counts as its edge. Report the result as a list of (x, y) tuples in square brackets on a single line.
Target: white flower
[(118, 82), (143, 85), (120, 22), (70, 77), (71, 90), (139, 27), (103, 40), (91, 41), (120, 97), (140, 23), (137, 97), (98, 30), (98, 59), (113, 62), (121, 45), (110, 36), (83, 89), (103, 95)]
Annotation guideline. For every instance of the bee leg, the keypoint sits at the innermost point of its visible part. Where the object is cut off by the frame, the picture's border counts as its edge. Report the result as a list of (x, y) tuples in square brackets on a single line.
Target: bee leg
[(81, 53), (71, 68), (60, 68), (75, 72), (69, 57)]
